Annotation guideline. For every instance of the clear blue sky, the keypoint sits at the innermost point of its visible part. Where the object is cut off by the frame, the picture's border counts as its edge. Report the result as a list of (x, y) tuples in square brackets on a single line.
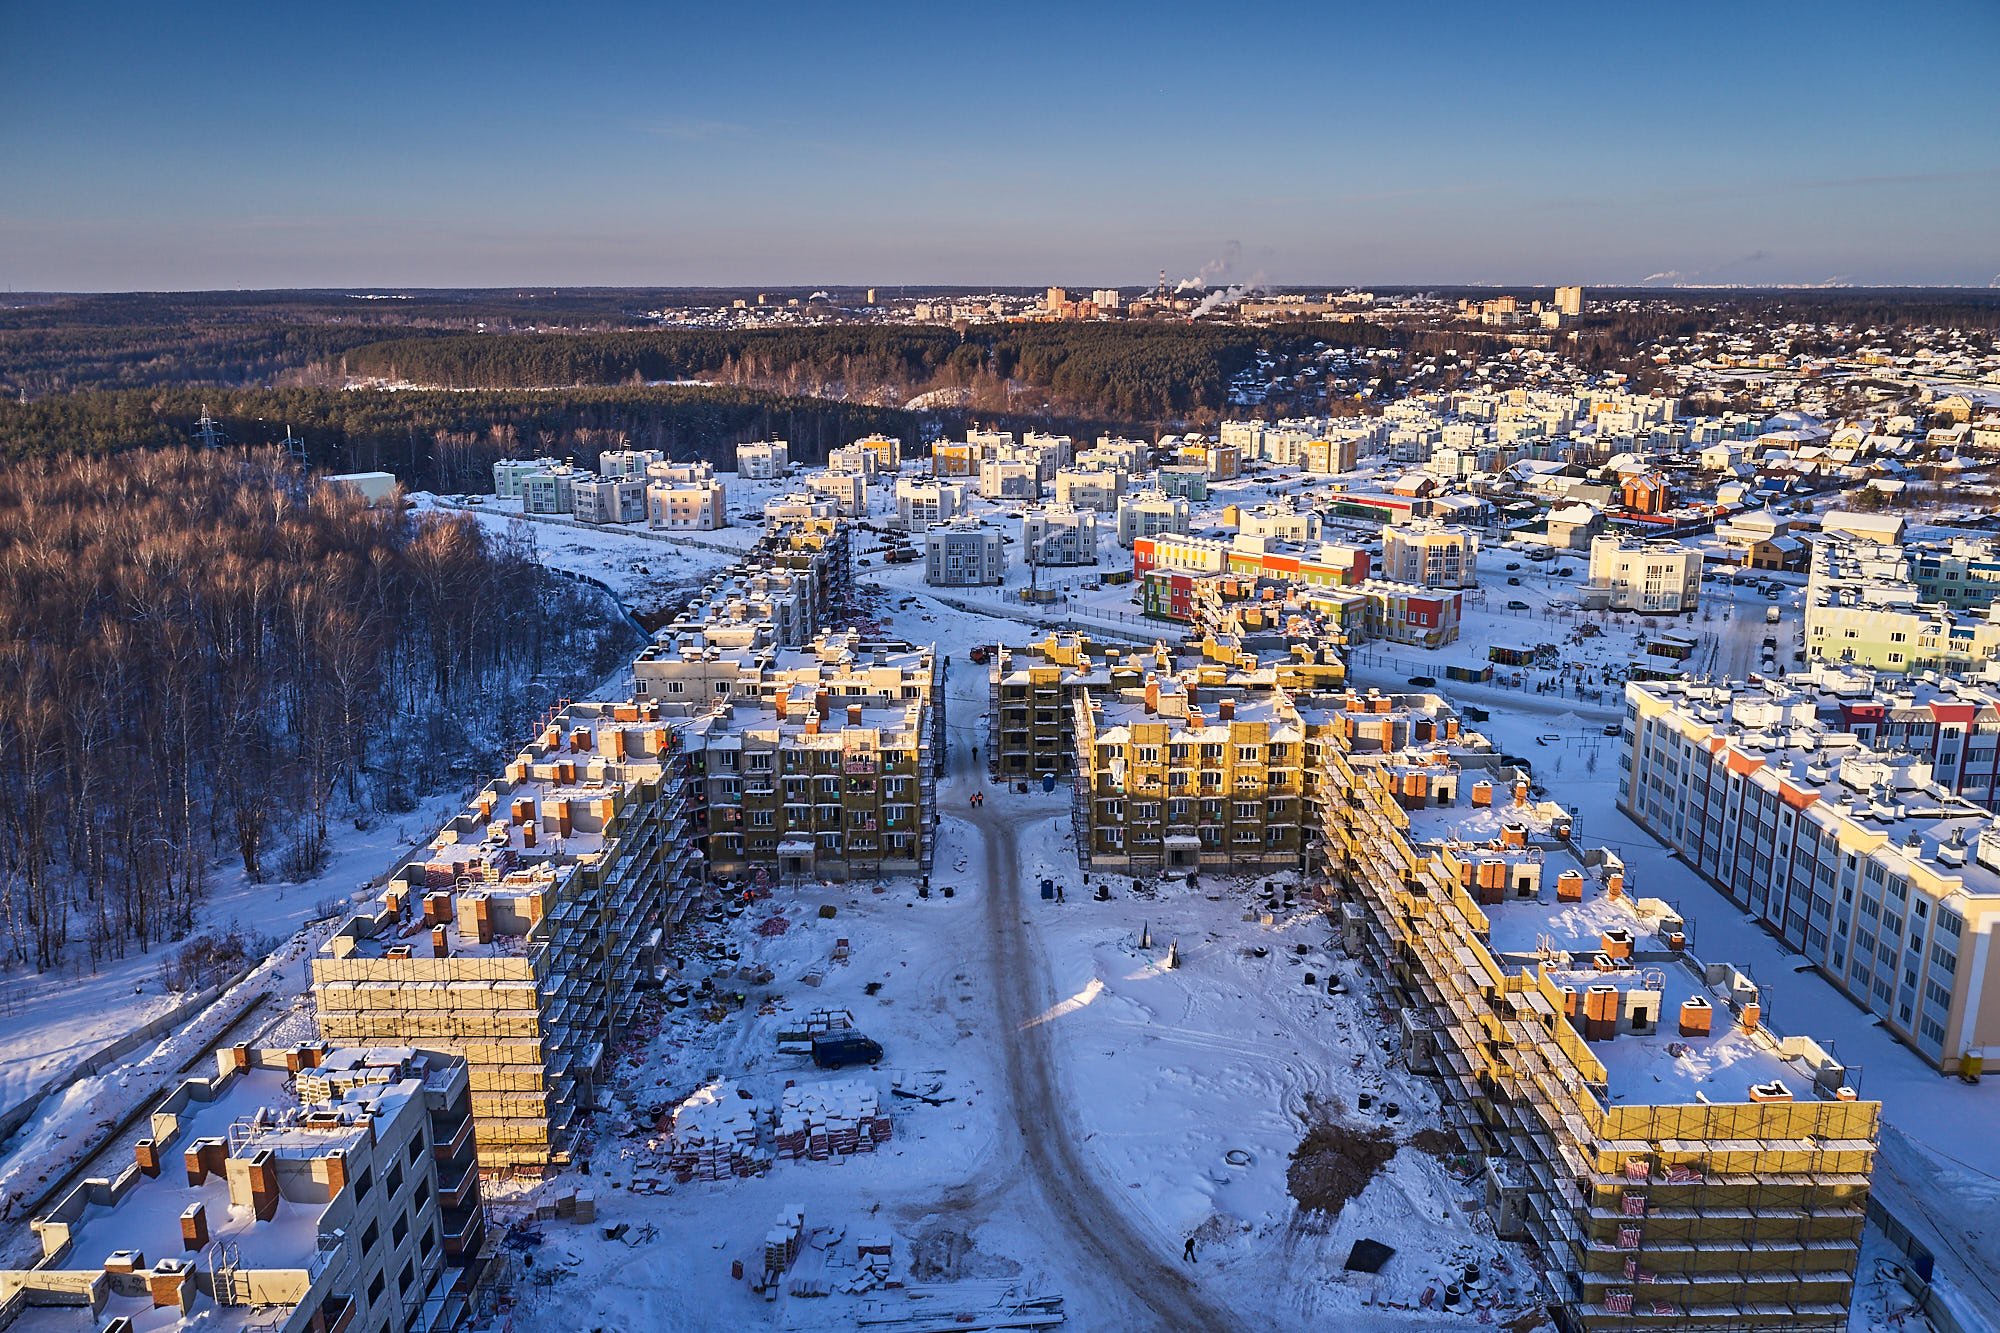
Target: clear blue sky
[(269, 144)]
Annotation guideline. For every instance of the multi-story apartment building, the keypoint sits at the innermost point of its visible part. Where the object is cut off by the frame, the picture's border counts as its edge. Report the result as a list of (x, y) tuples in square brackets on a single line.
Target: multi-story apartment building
[(1184, 481), (847, 490), (923, 502), (799, 784), (299, 1191), (1059, 534), (964, 553), (1173, 778), (853, 458), (608, 500), (951, 458), (1654, 577), (1674, 1160), (1150, 514), (1857, 858), (552, 490), (687, 506), (1032, 694), (1049, 453), (520, 938), (1569, 301), (1090, 488), (1009, 480), (1906, 607), (628, 464), (510, 473), (888, 451), (821, 545), (1281, 520), (767, 461), (1430, 555), (1950, 723)]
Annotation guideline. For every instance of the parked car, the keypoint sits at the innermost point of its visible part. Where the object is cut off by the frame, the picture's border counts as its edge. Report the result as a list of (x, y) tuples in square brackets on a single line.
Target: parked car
[(1517, 606), (1513, 564), (1611, 729), (1423, 682), (980, 652), (1514, 582), (842, 1049), (1565, 572)]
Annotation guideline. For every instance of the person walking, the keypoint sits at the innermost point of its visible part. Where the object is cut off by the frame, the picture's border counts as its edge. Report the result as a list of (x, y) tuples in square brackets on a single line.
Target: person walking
[(1187, 1250)]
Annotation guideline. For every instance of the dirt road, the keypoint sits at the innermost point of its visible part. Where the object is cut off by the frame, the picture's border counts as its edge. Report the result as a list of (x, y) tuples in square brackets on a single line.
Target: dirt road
[(1100, 1233)]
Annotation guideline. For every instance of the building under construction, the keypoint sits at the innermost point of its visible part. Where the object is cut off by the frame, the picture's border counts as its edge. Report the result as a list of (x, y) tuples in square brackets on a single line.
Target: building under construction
[(1676, 1160), (521, 938)]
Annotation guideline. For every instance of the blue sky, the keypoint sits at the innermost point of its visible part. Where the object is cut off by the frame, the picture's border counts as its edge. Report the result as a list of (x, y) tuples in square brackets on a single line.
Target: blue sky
[(259, 145)]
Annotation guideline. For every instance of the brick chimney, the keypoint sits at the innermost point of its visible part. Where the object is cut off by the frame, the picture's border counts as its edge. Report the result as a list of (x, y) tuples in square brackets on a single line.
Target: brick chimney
[(194, 1226), (854, 715), (1751, 1016), (440, 942), (170, 1286), (1226, 709), (147, 1151)]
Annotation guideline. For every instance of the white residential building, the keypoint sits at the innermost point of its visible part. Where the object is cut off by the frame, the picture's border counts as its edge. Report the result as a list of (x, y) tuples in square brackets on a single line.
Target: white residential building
[(1059, 534), (552, 490), (620, 463), (1090, 488), (510, 473), (609, 500), (1151, 514), (1015, 480), (766, 461), (847, 490), (856, 459), (1430, 555), (686, 506), (923, 502), (964, 553), (1631, 574)]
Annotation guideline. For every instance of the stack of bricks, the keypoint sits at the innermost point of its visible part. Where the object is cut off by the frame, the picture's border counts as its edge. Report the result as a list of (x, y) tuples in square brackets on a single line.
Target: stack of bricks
[(830, 1119), (715, 1137)]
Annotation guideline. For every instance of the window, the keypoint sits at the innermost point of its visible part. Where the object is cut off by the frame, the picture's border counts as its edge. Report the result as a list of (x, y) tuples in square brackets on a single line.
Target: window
[(408, 1278), (395, 1178), (363, 1183), (416, 1146), (369, 1237), (375, 1289), (399, 1231)]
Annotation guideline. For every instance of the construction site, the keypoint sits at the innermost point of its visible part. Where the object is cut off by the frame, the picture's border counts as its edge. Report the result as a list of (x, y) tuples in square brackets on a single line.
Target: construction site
[(1674, 1159)]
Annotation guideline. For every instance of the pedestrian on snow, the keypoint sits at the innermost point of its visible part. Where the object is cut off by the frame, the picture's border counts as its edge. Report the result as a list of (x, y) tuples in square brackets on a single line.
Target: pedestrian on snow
[(1187, 1250)]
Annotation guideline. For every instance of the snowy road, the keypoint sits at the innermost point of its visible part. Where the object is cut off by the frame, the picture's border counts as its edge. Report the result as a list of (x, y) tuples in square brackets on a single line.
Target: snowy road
[(1098, 1229)]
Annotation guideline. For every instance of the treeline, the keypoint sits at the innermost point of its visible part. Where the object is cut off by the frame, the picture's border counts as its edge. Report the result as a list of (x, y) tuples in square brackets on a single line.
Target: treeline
[(439, 440), (202, 656), (1141, 373)]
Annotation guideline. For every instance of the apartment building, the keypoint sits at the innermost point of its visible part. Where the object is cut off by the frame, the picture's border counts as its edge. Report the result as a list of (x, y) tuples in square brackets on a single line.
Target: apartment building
[(766, 461), (1651, 577), (510, 473), (955, 458), (964, 553), (1281, 520), (1569, 301), (1009, 480), (687, 506), (1185, 481), (1032, 694), (608, 500), (1090, 488), (1059, 534), (299, 1191), (853, 458), (628, 464), (821, 545), (1430, 555), (1904, 607), (1174, 778), (925, 502), (888, 451), (552, 490), (683, 472), (521, 937), (1951, 723), (801, 785), (1856, 857), (847, 490), (1150, 514), (1675, 1160)]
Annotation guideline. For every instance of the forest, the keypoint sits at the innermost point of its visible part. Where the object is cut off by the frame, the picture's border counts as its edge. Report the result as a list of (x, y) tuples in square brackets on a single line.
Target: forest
[(207, 658), (1149, 374), (441, 440)]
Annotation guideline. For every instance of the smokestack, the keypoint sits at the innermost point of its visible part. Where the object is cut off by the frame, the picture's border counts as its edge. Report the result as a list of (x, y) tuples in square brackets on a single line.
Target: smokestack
[(194, 1226), (440, 942)]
